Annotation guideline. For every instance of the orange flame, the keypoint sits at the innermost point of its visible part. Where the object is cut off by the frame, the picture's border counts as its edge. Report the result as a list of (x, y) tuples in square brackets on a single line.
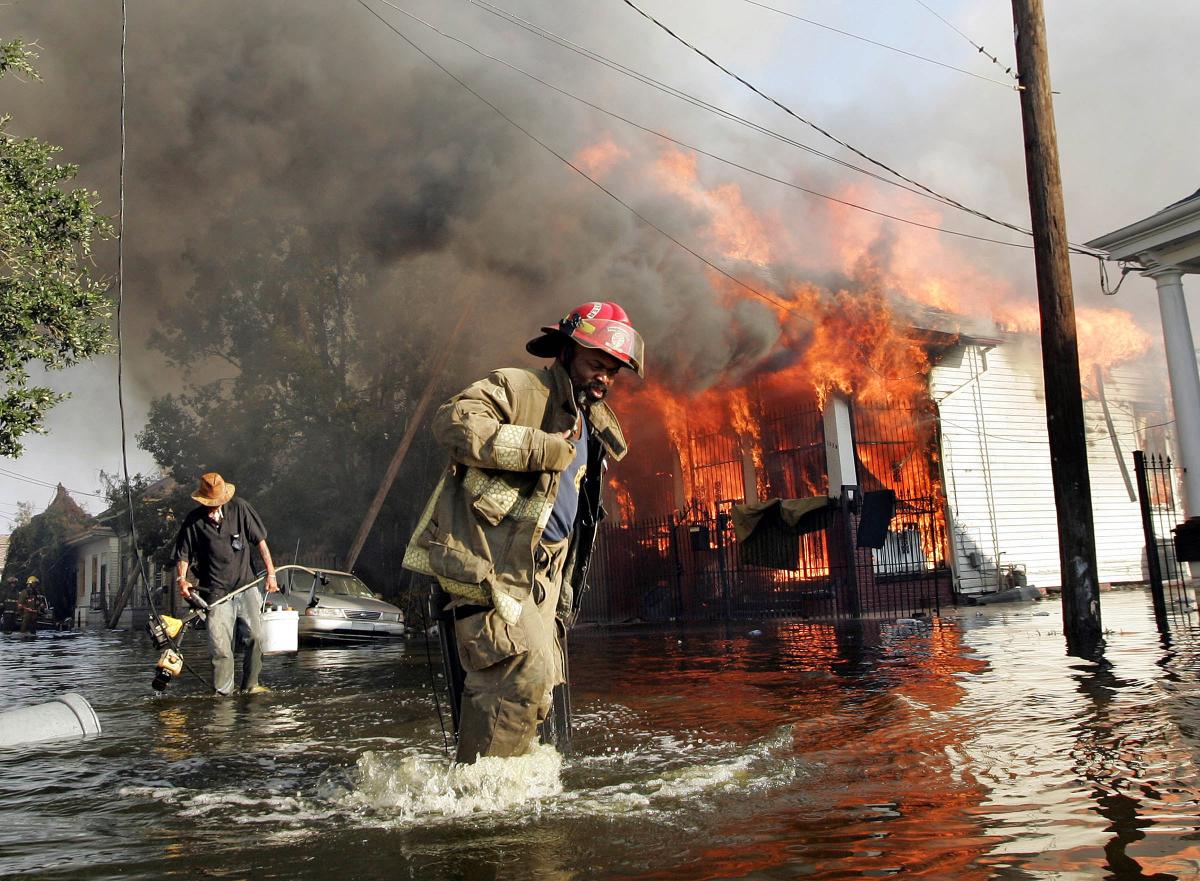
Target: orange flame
[(1106, 337), (625, 504), (732, 225), (600, 158), (851, 341)]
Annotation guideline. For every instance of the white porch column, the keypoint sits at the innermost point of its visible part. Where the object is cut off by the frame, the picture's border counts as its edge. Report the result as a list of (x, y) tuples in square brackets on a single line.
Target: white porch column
[(1185, 381), (839, 445)]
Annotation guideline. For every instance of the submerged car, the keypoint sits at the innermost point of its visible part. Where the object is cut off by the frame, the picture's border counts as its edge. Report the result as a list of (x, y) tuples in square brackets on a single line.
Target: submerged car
[(337, 607)]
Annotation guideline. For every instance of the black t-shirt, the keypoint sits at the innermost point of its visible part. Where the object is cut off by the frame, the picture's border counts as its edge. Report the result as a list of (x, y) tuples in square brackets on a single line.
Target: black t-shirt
[(219, 554)]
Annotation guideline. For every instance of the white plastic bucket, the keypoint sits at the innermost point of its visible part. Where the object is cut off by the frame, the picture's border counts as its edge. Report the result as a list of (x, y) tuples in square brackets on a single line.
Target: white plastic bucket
[(280, 627), (68, 715)]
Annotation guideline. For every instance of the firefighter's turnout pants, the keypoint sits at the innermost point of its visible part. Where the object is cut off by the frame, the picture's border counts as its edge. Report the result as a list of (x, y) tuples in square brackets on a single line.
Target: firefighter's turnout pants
[(511, 670)]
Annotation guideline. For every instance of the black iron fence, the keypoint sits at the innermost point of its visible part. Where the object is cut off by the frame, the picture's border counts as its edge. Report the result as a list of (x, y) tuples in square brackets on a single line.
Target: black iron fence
[(673, 568), (1158, 482)]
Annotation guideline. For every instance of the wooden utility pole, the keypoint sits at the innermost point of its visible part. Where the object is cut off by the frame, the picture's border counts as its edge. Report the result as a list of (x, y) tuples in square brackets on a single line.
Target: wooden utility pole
[(128, 586), (1060, 350), (414, 422)]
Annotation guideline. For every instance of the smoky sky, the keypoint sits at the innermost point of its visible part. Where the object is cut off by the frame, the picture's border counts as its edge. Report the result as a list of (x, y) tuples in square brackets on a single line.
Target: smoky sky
[(312, 110)]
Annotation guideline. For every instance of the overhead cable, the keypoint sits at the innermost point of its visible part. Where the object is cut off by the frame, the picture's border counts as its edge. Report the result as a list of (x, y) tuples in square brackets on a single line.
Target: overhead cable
[(996, 61), (1126, 268), (854, 36), (686, 97), (120, 325), (775, 301), (820, 130), (940, 196), (138, 557), (700, 150), (37, 482)]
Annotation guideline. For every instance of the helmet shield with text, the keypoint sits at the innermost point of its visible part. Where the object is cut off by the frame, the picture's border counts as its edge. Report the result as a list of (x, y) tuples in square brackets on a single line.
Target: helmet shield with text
[(596, 325)]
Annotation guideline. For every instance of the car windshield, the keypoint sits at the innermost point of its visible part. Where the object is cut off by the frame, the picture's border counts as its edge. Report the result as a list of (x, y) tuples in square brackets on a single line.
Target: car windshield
[(296, 579), (343, 586)]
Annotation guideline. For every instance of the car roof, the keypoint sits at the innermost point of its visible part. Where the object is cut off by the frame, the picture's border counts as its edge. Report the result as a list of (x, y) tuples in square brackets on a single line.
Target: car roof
[(316, 569)]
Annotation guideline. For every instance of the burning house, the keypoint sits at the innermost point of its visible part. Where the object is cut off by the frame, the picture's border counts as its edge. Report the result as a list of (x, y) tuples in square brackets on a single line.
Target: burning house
[(896, 378), (937, 441)]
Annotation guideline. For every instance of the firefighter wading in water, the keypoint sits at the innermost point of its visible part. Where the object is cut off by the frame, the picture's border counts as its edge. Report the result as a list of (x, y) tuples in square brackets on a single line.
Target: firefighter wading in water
[(31, 602), (509, 528)]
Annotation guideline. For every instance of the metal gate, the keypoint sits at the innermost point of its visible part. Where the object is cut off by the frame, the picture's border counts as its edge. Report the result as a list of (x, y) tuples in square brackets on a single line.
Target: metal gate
[(1158, 482), (689, 566)]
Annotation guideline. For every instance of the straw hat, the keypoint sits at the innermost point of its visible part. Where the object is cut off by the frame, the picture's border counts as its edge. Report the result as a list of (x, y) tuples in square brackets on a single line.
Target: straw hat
[(213, 491)]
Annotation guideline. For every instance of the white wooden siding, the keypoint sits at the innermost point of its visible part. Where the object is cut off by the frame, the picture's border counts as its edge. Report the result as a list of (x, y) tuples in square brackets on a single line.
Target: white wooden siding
[(996, 460)]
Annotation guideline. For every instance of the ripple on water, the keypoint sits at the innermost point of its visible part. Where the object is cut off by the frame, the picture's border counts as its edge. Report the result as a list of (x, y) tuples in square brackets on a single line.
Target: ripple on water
[(965, 749)]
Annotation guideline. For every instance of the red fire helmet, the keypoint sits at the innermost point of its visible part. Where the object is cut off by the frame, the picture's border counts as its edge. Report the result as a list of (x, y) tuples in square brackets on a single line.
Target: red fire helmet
[(596, 325)]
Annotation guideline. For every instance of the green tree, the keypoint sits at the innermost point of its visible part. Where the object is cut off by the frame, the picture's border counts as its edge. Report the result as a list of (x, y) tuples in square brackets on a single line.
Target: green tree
[(40, 548), (302, 357), (159, 505), (53, 311), (24, 513)]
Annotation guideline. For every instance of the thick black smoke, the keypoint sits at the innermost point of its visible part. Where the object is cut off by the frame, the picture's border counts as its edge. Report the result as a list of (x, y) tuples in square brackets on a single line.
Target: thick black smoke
[(312, 111)]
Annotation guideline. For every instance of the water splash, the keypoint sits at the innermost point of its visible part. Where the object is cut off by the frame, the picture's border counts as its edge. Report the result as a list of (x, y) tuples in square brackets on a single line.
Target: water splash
[(411, 786)]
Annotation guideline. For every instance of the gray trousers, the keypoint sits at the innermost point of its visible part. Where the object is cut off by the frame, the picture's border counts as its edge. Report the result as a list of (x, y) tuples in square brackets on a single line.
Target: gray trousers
[(240, 615), (511, 669)]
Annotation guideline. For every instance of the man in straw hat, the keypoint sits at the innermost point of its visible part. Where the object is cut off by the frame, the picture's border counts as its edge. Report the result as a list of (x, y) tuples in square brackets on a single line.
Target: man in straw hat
[(215, 540), (509, 530)]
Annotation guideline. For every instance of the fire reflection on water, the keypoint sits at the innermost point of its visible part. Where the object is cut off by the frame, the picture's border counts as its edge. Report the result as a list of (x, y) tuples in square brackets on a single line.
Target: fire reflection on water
[(964, 747)]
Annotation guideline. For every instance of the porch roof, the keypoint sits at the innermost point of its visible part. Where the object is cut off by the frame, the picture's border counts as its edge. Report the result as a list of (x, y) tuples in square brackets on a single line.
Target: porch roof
[(1167, 238), (91, 533)]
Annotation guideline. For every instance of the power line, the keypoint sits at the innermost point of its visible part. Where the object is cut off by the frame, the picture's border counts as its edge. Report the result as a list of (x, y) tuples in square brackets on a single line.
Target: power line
[(686, 97), (729, 115), (1138, 431), (16, 476), (700, 150), (880, 45), (721, 67), (940, 196), (767, 297), (971, 430), (139, 559), (996, 61)]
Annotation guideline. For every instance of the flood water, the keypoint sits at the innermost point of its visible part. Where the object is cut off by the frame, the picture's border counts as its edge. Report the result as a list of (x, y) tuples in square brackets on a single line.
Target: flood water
[(969, 748)]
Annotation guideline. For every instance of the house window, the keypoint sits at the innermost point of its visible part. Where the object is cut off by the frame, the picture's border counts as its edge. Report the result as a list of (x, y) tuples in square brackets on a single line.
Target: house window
[(95, 574)]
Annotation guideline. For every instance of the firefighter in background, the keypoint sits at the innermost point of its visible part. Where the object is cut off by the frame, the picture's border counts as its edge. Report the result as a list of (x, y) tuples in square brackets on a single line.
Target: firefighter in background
[(509, 529), (9, 620), (31, 603)]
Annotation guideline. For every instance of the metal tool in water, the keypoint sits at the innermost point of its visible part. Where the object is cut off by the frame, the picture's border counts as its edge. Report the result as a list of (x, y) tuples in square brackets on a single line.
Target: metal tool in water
[(166, 632)]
